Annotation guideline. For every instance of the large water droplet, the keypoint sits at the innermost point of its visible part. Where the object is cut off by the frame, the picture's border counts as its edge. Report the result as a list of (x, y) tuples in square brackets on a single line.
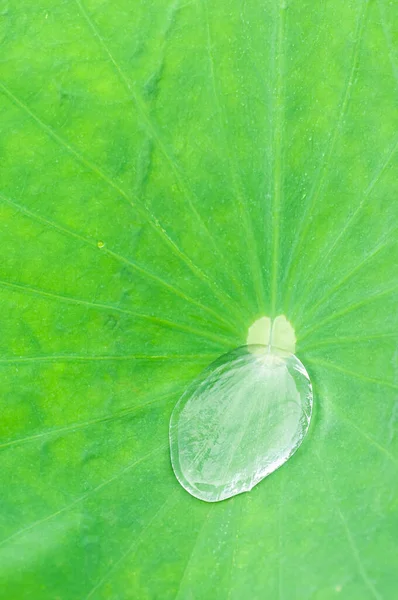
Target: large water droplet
[(241, 419)]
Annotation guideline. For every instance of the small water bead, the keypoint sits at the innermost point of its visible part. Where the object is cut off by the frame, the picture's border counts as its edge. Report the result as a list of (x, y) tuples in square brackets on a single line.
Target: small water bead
[(241, 419)]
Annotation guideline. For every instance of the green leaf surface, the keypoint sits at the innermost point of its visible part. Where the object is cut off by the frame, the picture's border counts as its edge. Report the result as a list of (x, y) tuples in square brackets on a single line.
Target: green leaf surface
[(171, 172)]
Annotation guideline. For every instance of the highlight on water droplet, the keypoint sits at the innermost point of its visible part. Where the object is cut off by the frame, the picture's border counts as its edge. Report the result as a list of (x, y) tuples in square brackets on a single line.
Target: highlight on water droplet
[(239, 421)]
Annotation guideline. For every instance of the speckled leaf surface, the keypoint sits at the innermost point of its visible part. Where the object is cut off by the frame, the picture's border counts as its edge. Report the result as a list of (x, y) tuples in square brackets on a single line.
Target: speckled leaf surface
[(170, 172)]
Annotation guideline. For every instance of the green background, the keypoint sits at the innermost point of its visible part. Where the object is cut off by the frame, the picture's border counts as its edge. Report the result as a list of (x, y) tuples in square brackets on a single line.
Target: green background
[(171, 171)]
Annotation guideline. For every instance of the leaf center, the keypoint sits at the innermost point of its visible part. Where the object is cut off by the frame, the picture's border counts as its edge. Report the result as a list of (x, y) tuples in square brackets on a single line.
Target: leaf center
[(278, 333)]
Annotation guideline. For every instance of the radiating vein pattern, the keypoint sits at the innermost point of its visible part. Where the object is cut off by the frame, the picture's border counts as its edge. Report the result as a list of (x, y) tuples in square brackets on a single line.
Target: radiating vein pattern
[(172, 172)]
